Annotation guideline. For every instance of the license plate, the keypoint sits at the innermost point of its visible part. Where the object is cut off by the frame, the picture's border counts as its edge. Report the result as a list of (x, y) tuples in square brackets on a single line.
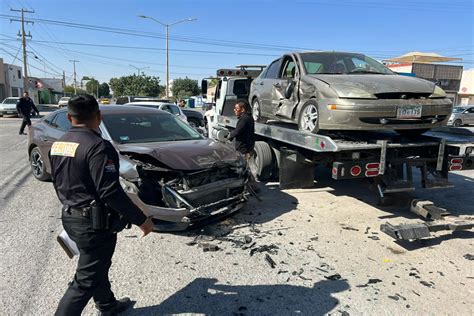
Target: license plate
[(11, 112), (409, 111)]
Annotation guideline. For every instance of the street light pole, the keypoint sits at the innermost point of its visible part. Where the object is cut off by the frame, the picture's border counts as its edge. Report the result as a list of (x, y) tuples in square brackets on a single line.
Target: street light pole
[(167, 56)]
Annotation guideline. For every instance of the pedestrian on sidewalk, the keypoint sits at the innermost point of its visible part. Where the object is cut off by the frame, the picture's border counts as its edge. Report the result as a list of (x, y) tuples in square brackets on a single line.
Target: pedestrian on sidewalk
[(24, 107), (85, 173)]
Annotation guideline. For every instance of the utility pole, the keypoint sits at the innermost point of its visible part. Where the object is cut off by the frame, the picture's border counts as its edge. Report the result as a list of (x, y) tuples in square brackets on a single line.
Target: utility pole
[(75, 81), (23, 40), (64, 84)]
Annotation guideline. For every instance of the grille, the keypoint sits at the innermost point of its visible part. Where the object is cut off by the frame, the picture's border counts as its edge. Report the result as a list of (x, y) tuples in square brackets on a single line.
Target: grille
[(402, 95), (394, 120)]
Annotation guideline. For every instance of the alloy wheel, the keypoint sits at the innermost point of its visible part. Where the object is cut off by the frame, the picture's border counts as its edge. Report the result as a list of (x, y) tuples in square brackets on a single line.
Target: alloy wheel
[(37, 164), (309, 119)]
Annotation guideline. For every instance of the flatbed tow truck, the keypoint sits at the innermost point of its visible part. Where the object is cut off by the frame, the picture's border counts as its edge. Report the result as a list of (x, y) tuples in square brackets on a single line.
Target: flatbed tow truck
[(283, 152)]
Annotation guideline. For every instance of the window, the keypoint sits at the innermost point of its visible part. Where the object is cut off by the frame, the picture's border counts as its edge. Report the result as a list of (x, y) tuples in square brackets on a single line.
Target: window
[(145, 128), (61, 122), (289, 70), (19, 74), (49, 119), (174, 109), (470, 110), (241, 87), (273, 70)]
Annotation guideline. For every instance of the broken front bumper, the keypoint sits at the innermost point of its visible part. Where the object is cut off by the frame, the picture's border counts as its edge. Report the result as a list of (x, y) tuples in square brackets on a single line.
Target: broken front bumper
[(192, 206)]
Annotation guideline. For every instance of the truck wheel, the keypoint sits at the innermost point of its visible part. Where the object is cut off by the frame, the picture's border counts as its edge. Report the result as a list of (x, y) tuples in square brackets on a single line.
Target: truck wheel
[(37, 165), (193, 122), (261, 162), (309, 117), (457, 123), (256, 110)]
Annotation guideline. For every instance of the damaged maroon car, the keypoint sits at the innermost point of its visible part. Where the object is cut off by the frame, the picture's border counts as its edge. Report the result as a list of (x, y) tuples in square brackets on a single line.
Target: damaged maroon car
[(167, 168)]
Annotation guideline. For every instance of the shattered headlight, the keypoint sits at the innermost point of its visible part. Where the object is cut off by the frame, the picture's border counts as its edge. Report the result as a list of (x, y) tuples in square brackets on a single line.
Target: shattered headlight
[(438, 93), (351, 92)]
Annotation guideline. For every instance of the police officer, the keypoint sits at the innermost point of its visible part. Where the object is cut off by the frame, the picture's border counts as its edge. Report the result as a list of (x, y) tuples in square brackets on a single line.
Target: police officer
[(24, 106), (85, 176), (244, 132)]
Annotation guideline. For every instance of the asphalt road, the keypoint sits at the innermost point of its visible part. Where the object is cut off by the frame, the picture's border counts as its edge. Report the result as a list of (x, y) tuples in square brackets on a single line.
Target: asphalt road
[(328, 253)]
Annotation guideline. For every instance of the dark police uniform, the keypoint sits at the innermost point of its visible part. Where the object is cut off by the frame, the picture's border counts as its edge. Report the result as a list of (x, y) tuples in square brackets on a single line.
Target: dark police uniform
[(85, 169), (24, 106), (244, 134)]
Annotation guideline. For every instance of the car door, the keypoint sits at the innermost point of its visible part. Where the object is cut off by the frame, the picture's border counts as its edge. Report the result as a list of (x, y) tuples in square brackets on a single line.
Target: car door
[(266, 86), (470, 116), (54, 129), (285, 90)]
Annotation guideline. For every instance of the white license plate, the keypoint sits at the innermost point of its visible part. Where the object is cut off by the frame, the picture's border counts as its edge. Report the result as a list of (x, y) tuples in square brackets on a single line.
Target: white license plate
[(409, 111), (11, 112)]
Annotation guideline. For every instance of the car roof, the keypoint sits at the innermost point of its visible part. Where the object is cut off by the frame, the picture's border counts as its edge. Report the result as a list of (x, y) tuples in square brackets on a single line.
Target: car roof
[(148, 103)]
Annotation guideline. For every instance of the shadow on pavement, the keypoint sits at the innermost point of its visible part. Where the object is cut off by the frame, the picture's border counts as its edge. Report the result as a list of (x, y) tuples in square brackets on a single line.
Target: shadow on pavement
[(205, 296)]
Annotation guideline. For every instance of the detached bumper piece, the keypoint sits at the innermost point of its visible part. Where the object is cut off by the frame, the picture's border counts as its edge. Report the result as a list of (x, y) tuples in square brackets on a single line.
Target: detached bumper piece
[(423, 230)]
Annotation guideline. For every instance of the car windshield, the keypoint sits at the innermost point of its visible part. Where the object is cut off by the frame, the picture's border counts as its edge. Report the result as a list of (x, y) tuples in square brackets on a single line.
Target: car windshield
[(10, 101), (458, 109), (147, 127), (341, 63), (64, 99)]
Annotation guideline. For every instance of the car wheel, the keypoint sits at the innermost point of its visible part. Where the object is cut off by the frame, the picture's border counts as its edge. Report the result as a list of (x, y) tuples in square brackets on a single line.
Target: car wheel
[(37, 165), (194, 123), (457, 123), (261, 162), (412, 132), (309, 117), (256, 110)]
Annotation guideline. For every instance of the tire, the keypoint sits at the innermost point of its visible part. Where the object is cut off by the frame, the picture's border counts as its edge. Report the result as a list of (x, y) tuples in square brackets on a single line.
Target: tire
[(308, 119), (37, 165), (457, 123), (261, 162), (193, 122), (256, 110), (412, 132)]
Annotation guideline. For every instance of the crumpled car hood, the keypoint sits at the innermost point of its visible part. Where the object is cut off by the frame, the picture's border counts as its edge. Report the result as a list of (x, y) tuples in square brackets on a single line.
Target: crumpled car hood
[(186, 154), (379, 83)]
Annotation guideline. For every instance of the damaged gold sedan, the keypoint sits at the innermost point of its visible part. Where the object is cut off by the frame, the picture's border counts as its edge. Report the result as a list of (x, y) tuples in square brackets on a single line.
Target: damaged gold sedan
[(168, 169)]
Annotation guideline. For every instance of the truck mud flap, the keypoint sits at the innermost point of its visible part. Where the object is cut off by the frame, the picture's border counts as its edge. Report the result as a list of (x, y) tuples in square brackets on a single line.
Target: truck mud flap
[(295, 171)]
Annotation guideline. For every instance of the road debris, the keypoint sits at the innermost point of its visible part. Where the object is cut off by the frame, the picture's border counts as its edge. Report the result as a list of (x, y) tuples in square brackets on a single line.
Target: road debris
[(272, 249), (469, 256), (333, 277), (270, 261), (209, 247)]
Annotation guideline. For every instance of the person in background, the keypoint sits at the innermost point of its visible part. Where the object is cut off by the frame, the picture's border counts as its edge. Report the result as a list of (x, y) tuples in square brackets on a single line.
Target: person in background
[(182, 103), (24, 107)]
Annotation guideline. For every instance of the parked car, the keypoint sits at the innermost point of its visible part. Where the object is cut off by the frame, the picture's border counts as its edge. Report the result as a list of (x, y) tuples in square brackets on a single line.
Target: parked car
[(195, 118), (462, 115), (345, 91), (63, 102), (167, 168), (168, 107), (129, 99), (8, 106)]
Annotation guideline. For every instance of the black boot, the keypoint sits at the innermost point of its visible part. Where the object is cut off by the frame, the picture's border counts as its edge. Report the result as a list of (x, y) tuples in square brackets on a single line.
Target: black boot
[(122, 305)]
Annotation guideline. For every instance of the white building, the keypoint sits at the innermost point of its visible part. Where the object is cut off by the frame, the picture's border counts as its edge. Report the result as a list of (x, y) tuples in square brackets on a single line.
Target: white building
[(466, 90), (14, 80)]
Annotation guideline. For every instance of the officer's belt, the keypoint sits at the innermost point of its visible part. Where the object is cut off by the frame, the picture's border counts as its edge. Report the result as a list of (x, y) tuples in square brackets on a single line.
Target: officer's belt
[(81, 211)]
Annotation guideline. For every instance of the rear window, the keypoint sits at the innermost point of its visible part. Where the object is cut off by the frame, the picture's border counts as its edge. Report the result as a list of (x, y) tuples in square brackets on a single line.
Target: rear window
[(145, 128)]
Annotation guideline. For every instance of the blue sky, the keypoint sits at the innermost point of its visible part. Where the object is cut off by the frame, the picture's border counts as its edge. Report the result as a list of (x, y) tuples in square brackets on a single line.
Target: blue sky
[(227, 33)]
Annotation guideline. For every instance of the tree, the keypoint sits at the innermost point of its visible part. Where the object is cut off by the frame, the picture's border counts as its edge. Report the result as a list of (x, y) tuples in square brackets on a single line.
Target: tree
[(92, 86), (70, 90), (104, 90), (184, 88), (136, 85)]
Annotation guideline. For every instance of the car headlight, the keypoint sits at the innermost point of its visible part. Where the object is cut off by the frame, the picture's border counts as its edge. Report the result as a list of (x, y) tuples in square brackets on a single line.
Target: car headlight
[(351, 92), (438, 93)]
